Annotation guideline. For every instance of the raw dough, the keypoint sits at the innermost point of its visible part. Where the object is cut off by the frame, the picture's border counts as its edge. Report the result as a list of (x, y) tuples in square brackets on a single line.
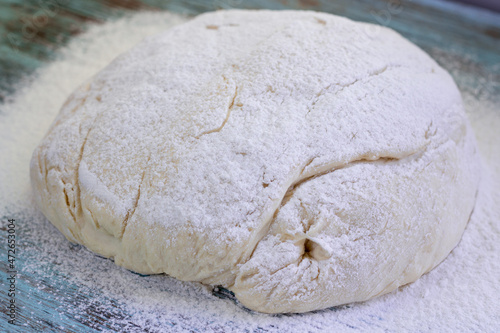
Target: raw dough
[(300, 159)]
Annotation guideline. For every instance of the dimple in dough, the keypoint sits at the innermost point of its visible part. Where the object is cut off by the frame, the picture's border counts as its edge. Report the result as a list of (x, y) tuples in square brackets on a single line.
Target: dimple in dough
[(299, 159)]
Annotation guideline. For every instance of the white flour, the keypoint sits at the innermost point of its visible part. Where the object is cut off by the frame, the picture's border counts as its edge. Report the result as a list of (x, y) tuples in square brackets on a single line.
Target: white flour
[(460, 294)]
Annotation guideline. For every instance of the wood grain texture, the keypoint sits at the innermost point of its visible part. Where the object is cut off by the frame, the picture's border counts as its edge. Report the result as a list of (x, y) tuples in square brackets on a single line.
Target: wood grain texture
[(466, 42)]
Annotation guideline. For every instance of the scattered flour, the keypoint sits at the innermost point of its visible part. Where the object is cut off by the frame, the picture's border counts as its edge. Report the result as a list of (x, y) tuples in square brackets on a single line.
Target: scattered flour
[(459, 295)]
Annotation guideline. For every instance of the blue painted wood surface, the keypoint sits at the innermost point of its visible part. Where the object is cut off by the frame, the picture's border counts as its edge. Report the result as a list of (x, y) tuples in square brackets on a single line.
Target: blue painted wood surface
[(450, 33)]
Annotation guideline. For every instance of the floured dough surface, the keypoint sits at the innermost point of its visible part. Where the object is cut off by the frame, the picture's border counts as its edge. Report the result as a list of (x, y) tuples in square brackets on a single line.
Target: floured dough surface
[(300, 159)]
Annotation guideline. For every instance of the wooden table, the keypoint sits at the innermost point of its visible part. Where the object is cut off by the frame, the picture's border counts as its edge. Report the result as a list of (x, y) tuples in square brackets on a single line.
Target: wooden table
[(464, 41)]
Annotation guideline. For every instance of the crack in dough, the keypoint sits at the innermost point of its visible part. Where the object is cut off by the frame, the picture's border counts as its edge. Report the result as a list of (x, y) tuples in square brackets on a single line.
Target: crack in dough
[(229, 110), (344, 86), (131, 211)]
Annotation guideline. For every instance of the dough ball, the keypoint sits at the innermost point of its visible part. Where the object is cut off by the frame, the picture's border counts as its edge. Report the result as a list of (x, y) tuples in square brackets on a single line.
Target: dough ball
[(299, 159)]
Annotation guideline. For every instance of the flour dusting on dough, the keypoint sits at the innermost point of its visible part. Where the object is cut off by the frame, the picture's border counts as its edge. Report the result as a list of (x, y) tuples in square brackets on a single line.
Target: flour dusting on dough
[(242, 156)]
